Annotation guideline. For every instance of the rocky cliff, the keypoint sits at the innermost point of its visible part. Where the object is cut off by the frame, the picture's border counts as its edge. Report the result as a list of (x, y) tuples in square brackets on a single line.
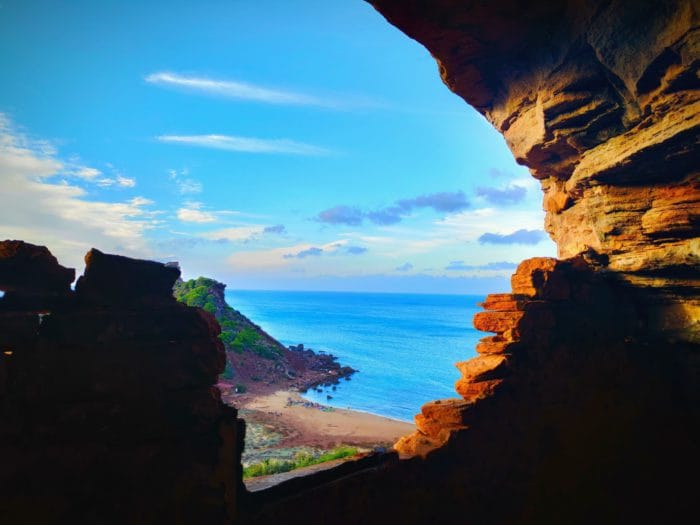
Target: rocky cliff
[(254, 359)]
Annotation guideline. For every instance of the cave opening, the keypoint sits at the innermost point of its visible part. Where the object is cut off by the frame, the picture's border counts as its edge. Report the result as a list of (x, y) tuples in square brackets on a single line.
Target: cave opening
[(472, 215), (582, 408)]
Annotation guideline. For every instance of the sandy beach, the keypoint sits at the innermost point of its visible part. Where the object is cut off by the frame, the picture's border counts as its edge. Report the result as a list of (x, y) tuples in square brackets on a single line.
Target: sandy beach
[(307, 424)]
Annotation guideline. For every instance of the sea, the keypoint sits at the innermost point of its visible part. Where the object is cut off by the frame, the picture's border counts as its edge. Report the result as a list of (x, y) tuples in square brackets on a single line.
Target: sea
[(404, 346)]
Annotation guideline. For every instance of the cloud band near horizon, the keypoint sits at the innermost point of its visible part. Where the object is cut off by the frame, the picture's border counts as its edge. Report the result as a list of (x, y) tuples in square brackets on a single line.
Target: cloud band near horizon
[(517, 237)]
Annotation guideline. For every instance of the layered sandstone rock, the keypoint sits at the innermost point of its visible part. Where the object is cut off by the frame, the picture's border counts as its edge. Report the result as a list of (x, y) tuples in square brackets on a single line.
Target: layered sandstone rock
[(601, 101), (108, 410)]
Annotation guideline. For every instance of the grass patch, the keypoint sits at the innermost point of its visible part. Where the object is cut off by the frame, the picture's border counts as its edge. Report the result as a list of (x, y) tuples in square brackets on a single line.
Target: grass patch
[(301, 459)]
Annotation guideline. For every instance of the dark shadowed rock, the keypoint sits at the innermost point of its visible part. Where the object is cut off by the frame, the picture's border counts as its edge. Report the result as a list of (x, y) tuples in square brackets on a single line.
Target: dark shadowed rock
[(32, 268), (114, 279), (31, 277)]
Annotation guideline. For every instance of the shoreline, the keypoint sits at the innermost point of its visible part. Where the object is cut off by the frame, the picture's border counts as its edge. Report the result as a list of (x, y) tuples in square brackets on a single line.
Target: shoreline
[(281, 421), (301, 394)]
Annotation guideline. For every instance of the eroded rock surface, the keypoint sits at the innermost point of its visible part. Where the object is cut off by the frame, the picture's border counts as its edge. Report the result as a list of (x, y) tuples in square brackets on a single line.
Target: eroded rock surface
[(601, 101)]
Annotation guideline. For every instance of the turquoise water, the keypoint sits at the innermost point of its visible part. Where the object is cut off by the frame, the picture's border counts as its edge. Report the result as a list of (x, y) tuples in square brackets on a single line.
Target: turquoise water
[(404, 345)]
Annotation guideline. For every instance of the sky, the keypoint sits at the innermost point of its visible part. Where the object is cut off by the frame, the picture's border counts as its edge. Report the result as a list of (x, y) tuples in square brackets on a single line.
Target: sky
[(304, 145)]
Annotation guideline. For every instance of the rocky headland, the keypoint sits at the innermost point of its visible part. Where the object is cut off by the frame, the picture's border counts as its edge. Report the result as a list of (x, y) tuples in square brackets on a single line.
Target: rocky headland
[(255, 361)]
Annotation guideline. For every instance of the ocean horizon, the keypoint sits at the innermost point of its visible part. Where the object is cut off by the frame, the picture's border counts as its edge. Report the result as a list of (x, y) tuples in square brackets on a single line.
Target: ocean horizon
[(404, 346)]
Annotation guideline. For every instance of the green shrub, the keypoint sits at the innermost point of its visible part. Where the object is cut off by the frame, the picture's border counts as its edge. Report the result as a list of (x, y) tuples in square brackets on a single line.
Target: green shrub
[(301, 459), (246, 338)]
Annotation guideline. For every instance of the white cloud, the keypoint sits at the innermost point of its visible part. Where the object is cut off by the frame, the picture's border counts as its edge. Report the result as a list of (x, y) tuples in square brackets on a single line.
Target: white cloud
[(240, 233), (58, 214), (471, 224), (245, 144), (119, 182), (125, 182), (191, 212), (189, 186), (88, 173), (184, 185), (235, 89)]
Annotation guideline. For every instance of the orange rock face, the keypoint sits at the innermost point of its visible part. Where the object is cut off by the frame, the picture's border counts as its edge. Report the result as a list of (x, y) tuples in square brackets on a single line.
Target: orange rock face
[(602, 103)]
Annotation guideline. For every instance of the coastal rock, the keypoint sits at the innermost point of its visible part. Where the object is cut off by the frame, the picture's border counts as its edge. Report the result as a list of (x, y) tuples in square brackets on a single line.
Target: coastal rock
[(254, 359), (439, 416)]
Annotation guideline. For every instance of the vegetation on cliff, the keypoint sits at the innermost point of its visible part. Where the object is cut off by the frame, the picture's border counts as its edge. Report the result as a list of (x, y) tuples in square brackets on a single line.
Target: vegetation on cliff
[(238, 333), (252, 355)]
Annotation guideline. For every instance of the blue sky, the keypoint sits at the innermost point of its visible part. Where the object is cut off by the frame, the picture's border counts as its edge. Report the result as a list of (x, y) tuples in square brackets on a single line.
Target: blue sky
[(269, 144)]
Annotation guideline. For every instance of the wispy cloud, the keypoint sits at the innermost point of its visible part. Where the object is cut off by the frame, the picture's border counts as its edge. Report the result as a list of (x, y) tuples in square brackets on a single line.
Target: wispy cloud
[(334, 248), (118, 181), (243, 234), (445, 202), (404, 267), (294, 258), (302, 254), (87, 173), (248, 91), (239, 233), (192, 212), (183, 183), (245, 144), (461, 266), (517, 237), (235, 89)]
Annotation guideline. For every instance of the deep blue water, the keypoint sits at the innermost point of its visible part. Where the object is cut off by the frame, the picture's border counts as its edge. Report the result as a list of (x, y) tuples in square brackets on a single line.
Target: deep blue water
[(404, 345)]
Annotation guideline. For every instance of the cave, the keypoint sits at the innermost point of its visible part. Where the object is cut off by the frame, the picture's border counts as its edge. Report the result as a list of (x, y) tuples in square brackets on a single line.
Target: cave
[(583, 404)]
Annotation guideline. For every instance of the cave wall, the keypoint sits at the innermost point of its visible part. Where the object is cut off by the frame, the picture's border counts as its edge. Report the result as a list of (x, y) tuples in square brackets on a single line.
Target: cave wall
[(108, 409)]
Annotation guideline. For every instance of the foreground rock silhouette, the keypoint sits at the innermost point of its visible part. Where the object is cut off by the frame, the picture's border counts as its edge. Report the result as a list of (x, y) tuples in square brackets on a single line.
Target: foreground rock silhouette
[(108, 412)]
